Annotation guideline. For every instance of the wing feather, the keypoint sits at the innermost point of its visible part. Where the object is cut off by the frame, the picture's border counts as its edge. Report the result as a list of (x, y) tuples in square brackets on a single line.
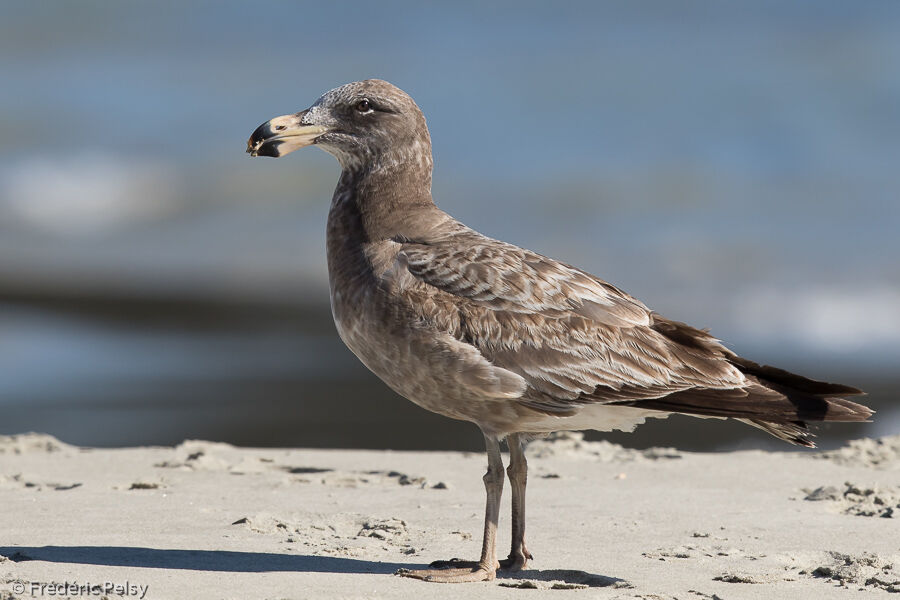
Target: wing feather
[(573, 337), (504, 277)]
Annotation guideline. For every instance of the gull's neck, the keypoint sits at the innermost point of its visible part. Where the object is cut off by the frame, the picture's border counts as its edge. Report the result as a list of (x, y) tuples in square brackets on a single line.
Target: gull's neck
[(388, 198)]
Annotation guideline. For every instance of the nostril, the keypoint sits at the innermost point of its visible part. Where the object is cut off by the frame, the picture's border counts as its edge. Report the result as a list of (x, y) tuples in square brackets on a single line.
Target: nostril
[(280, 127)]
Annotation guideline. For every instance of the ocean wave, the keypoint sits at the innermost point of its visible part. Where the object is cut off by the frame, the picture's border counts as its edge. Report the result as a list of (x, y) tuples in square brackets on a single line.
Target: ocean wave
[(824, 317), (86, 193)]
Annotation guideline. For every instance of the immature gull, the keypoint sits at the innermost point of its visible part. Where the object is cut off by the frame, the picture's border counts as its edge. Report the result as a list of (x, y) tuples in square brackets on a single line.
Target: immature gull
[(519, 344)]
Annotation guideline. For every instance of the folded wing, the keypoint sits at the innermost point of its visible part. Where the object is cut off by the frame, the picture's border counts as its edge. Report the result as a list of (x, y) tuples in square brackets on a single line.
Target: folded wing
[(577, 340)]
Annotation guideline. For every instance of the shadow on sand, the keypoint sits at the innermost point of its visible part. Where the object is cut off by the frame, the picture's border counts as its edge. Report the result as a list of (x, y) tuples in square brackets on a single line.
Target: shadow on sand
[(197, 560), (262, 562)]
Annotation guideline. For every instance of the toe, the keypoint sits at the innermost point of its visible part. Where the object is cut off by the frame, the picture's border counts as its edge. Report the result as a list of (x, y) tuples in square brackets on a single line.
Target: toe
[(455, 575)]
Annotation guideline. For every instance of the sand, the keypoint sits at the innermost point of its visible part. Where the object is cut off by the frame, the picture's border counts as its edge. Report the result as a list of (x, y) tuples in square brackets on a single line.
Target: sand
[(208, 520)]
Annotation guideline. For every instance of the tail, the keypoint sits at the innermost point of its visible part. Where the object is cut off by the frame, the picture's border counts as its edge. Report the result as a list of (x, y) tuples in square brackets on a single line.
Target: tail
[(776, 401)]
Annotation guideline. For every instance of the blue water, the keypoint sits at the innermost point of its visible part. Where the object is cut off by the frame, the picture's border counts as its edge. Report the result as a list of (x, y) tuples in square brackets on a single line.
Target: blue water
[(732, 165)]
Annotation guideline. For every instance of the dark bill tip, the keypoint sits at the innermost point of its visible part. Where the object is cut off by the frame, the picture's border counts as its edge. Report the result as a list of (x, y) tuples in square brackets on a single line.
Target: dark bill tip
[(256, 145), (267, 148)]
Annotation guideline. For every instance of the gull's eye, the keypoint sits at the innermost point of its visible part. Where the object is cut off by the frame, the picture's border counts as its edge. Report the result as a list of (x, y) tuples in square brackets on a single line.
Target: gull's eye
[(363, 106)]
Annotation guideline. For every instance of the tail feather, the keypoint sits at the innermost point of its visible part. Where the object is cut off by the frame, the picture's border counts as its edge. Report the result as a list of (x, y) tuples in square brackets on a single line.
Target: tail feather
[(814, 400), (796, 432), (792, 380), (776, 401)]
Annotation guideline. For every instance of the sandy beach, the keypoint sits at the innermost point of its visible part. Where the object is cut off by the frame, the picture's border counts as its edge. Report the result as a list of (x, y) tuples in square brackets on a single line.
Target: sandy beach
[(208, 520)]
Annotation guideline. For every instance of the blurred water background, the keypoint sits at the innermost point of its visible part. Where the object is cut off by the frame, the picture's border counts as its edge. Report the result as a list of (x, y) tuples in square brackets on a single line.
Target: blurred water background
[(734, 165)]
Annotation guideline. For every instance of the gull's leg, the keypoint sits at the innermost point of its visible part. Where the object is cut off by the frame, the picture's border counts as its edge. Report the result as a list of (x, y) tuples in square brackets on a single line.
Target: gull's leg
[(456, 571), (518, 476)]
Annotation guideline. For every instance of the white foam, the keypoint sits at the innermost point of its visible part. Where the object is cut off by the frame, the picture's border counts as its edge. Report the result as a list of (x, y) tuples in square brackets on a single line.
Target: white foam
[(824, 317), (85, 194)]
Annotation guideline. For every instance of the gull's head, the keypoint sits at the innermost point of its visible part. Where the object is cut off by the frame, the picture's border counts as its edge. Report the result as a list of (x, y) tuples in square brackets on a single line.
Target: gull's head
[(363, 124)]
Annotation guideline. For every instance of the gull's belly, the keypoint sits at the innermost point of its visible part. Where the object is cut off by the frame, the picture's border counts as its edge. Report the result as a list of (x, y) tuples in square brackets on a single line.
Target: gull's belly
[(409, 359), (412, 362)]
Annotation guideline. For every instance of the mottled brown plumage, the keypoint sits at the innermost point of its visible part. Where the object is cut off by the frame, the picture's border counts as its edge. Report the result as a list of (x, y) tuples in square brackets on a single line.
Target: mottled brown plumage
[(484, 331)]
